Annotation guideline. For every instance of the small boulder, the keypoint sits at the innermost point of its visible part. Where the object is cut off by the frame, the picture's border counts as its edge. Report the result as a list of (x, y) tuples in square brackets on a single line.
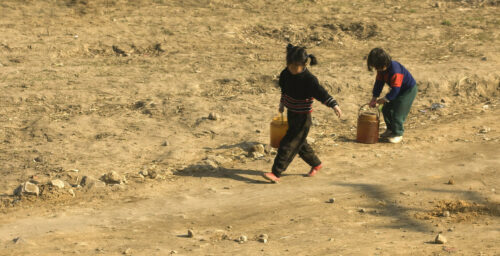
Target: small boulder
[(91, 182), (190, 233), (112, 178), (57, 183), (27, 188), (440, 239), (213, 116)]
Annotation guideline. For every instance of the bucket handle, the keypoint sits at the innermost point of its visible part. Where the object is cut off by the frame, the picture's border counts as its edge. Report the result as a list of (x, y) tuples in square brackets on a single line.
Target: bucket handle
[(364, 105)]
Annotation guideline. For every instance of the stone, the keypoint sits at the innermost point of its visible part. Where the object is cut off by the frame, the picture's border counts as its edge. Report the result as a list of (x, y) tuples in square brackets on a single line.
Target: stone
[(331, 200), (144, 173), (153, 174), (484, 130), (440, 239), (128, 251), (165, 143), (57, 183), (484, 58), (27, 188), (112, 178), (446, 214), (259, 148), (213, 116), (71, 192), (362, 210), (242, 239), (263, 238), (310, 140), (92, 183), (256, 155), (451, 182), (190, 233)]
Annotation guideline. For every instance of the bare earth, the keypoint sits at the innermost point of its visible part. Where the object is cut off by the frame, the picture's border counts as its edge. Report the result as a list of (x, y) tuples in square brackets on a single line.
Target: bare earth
[(127, 86)]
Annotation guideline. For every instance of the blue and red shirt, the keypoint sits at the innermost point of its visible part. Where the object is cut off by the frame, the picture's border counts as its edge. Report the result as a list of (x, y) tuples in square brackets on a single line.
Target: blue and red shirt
[(397, 77)]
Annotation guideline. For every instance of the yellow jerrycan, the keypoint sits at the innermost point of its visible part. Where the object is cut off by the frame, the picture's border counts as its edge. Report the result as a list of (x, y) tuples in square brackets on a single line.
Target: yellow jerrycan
[(279, 126)]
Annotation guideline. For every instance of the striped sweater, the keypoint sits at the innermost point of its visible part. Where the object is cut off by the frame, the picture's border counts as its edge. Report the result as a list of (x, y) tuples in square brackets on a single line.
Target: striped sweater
[(299, 91)]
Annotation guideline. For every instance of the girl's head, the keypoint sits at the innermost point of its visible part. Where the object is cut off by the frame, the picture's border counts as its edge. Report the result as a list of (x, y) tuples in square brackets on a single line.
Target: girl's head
[(378, 59), (296, 58)]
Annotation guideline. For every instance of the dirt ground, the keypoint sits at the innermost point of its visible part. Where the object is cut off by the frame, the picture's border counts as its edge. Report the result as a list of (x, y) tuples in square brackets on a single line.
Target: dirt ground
[(90, 87)]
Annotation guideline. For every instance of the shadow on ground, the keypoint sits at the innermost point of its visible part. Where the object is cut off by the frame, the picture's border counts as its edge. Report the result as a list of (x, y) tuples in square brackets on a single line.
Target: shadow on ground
[(248, 176)]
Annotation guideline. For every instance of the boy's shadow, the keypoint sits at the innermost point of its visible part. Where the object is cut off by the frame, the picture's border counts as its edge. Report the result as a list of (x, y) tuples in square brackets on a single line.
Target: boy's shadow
[(207, 171)]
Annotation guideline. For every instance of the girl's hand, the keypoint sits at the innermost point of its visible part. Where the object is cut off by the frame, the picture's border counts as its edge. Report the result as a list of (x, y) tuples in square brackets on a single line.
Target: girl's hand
[(373, 102), (281, 109), (337, 110)]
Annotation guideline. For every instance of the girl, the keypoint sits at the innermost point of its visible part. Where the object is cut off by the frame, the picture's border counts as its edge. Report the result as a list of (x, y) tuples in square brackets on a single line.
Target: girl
[(298, 88), (398, 101)]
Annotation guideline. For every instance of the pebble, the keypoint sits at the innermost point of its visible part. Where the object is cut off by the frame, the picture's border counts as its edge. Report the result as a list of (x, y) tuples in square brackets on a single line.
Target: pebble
[(440, 239), (405, 193), (451, 182), (190, 233), (446, 214), (57, 183), (451, 230), (362, 210), (112, 178), (144, 173), (173, 252), (256, 155), (310, 140), (259, 148), (263, 238), (485, 130), (331, 200), (128, 251), (165, 143), (213, 116), (71, 192), (484, 58), (242, 239)]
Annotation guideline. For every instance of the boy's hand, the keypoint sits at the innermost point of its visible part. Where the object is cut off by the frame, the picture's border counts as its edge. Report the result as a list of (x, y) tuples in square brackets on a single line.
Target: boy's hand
[(337, 110), (373, 102), (381, 101), (281, 109)]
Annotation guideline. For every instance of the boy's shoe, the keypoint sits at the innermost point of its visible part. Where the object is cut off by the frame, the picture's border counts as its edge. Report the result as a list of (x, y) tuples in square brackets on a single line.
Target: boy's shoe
[(386, 134), (395, 139), (314, 170), (270, 176)]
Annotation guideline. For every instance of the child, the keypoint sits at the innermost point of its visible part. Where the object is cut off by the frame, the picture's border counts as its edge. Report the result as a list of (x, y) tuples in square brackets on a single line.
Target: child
[(398, 101), (298, 88)]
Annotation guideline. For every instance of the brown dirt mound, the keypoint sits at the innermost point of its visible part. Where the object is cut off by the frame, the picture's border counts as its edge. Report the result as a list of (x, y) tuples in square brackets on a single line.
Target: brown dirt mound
[(459, 211)]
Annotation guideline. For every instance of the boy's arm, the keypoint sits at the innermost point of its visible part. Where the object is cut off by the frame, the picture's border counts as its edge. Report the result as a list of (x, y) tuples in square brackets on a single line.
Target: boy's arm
[(378, 86), (396, 82)]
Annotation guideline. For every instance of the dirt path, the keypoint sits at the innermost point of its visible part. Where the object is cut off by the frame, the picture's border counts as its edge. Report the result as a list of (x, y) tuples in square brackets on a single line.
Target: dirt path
[(398, 186)]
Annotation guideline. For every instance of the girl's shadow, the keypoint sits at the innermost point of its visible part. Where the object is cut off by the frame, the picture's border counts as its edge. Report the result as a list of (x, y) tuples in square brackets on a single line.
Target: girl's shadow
[(223, 173)]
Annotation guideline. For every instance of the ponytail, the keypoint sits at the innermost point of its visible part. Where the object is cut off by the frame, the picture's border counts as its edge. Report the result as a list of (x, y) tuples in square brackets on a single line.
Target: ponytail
[(289, 48), (314, 61)]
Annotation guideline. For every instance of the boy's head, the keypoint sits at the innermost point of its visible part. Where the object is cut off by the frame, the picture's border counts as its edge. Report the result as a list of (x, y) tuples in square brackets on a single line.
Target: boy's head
[(296, 57), (378, 59)]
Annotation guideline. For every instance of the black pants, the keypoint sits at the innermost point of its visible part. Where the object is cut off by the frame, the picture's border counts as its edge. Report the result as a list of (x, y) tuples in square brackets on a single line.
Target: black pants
[(295, 142)]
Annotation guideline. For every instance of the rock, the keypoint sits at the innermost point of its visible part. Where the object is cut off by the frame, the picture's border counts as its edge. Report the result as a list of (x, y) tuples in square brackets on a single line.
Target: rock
[(173, 252), (446, 214), (242, 239), (263, 238), (256, 155), (484, 58), (440, 239), (112, 178), (57, 183), (450, 230), (20, 240), (268, 149), (485, 107), (91, 182), (71, 192), (128, 251), (451, 182), (165, 143), (436, 106), (27, 188), (331, 200), (153, 174), (213, 116), (484, 130), (190, 233), (362, 210), (144, 173), (405, 193), (211, 164), (310, 140), (259, 148)]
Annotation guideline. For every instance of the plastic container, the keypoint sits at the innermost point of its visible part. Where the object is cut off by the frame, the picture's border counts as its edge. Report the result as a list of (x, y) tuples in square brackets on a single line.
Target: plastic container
[(279, 126), (368, 126)]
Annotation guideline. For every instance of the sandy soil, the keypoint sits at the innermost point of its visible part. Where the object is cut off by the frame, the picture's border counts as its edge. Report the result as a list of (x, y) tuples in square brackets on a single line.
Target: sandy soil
[(127, 86)]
